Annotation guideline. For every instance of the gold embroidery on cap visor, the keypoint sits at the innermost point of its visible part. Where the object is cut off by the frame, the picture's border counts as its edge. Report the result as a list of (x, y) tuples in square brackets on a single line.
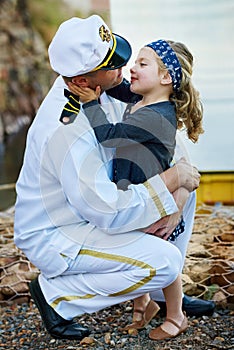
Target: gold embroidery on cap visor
[(109, 54)]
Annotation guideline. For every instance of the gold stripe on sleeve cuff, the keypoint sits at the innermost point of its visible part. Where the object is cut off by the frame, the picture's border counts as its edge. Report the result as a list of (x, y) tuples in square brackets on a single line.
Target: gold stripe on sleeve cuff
[(155, 198)]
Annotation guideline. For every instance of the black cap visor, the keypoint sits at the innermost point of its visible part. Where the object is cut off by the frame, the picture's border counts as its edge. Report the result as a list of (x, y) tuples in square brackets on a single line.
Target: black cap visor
[(121, 55)]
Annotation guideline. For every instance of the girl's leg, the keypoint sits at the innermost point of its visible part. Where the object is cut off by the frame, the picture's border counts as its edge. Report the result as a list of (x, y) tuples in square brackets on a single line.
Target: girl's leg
[(182, 241), (140, 305), (176, 321), (173, 297), (144, 311)]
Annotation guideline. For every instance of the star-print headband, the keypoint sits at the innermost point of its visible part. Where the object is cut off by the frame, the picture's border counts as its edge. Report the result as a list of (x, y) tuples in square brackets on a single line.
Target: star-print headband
[(169, 58)]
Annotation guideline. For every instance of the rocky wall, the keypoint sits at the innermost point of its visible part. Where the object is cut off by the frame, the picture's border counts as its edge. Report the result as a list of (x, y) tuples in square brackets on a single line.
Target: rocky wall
[(25, 75)]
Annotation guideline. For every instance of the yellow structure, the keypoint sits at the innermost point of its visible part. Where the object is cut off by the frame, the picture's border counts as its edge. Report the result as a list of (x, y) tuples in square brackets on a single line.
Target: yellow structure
[(216, 187)]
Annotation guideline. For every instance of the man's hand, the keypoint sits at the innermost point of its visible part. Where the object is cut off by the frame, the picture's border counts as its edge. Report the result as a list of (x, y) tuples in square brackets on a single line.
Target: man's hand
[(164, 227), (85, 93), (182, 174)]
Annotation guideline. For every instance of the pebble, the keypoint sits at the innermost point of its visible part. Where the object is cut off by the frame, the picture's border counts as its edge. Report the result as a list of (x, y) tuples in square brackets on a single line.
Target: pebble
[(21, 329)]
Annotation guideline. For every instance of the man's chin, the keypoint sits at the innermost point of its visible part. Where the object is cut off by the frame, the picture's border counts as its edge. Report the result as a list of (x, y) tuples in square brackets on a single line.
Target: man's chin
[(113, 84), (118, 80)]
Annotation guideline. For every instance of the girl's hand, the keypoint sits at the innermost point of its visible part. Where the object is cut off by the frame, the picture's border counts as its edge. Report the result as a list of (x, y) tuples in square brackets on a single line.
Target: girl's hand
[(85, 93)]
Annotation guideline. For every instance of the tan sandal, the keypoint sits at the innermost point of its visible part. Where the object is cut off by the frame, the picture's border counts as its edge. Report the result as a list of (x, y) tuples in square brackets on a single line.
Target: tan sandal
[(148, 314), (159, 334)]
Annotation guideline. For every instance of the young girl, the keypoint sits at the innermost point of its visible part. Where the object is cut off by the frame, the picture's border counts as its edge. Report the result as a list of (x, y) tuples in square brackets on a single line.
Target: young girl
[(162, 98)]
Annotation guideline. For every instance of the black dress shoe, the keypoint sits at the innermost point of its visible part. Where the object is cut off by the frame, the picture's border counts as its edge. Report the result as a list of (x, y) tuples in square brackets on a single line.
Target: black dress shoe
[(57, 326), (197, 307), (193, 306)]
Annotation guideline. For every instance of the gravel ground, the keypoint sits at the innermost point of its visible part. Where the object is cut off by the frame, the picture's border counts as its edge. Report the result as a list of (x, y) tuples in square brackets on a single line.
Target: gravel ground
[(21, 328)]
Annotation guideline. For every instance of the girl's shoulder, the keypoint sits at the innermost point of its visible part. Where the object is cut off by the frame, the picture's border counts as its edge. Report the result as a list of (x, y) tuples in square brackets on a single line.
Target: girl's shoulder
[(164, 110)]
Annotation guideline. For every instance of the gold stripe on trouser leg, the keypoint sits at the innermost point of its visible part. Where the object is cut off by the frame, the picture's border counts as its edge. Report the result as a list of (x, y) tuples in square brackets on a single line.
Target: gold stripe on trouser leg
[(155, 198), (70, 298), (119, 258), (125, 260)]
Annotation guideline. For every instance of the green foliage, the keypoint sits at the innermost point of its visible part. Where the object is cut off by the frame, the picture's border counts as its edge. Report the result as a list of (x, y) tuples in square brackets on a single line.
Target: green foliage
[(46, 16), (211, 290)]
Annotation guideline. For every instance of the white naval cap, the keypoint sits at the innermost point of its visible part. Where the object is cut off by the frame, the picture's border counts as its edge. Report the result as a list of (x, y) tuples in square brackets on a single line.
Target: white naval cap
[(84, 45)]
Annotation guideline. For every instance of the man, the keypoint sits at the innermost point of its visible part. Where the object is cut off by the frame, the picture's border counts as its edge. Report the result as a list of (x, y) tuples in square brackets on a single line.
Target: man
[(71, 221)]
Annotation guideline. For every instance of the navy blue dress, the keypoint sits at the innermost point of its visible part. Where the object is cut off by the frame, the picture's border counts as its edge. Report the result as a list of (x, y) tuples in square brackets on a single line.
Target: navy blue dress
[(144, 140)]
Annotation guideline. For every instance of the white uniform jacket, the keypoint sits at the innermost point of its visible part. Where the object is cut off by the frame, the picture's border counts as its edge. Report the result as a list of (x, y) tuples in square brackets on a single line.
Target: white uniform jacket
[(64, 189)]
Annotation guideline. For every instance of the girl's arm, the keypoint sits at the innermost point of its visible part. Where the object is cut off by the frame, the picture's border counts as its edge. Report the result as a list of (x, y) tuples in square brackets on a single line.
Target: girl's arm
[(144, 125)]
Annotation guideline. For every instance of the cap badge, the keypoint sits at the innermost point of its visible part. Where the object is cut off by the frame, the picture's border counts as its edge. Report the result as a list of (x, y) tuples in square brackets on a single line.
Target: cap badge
[(104, 34)]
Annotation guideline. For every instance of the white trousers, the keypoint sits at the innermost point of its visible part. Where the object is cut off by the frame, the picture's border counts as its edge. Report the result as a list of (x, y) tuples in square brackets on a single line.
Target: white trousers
[(101, 277)]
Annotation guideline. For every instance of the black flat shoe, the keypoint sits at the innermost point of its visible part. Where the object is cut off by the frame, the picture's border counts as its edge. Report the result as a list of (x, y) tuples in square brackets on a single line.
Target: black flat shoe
[(193, 306), (56, 325)]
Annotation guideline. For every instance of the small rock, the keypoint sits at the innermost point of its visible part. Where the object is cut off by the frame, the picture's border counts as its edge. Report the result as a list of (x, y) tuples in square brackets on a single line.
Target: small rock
[(133, 332), (107, 338), (87, 341)]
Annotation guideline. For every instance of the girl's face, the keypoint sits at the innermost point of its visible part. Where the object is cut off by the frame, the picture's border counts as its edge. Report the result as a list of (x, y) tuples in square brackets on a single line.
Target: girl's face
[(145, 74)]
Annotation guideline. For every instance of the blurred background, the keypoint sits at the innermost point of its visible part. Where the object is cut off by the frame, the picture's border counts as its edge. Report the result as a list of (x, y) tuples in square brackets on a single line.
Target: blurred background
[(205, 26)]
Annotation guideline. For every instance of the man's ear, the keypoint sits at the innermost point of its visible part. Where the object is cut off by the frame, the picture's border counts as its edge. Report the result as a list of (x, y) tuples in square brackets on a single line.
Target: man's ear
[(166, 78), (80, 81)]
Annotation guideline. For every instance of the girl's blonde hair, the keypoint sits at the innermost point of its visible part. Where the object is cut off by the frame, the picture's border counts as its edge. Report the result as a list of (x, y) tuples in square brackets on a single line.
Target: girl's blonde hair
[(189, 110)]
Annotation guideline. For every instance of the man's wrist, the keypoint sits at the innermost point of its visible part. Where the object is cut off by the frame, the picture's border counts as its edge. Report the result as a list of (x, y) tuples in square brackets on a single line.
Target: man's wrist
[(181, 195), (170, 178)]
